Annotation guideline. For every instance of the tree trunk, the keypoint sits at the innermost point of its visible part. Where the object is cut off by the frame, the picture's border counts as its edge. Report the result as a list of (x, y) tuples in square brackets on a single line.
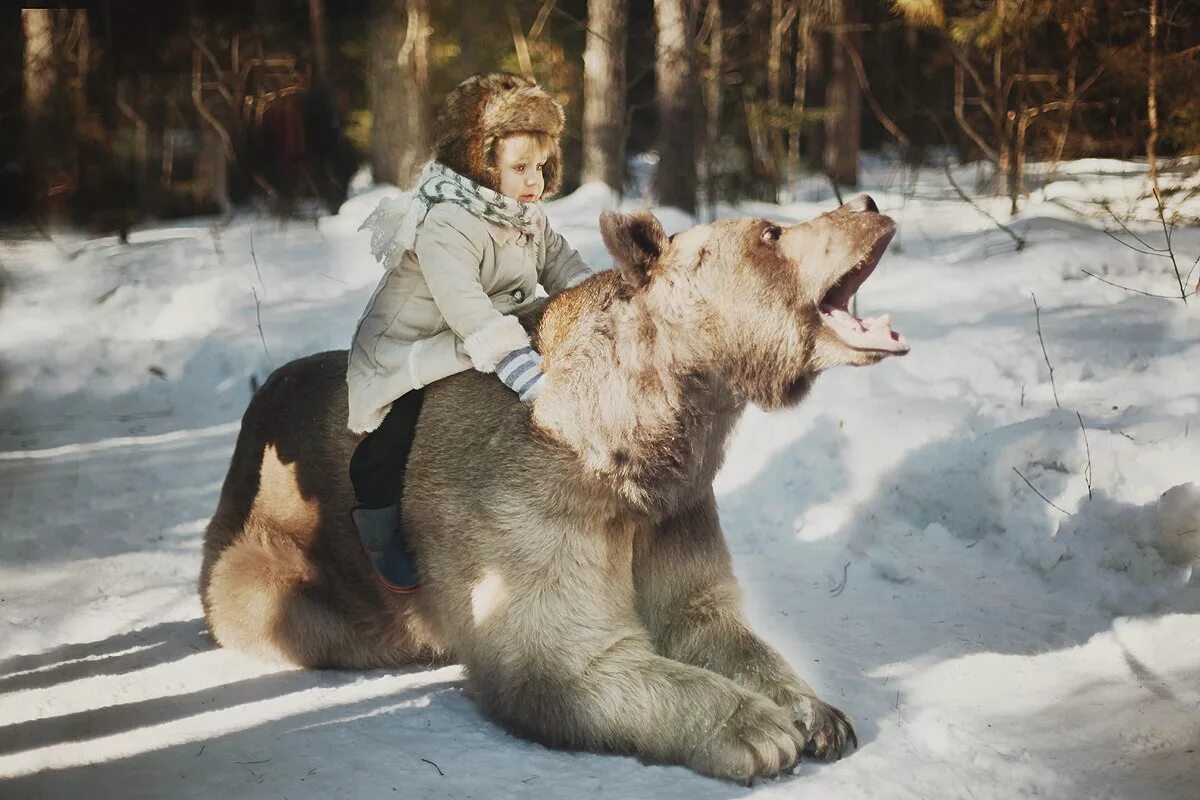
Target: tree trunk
[(417, 88), (398, 85), (816, 94), (53, 97), (1152, 99), (775, 60), (843, 126), (675, 178), (316, 25), (604, 94), (712, 76), (1016, 150), (804, 34), (1000, 100)]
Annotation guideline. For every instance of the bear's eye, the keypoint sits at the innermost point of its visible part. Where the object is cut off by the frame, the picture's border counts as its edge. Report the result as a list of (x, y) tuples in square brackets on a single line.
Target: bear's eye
[(771, 234)]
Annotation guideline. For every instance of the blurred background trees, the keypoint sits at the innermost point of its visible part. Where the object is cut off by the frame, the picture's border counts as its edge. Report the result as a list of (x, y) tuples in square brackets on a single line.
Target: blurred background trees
[(111, 110)]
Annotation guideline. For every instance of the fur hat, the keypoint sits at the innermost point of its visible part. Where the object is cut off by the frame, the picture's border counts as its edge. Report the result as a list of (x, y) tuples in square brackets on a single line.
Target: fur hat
[(480, 111)]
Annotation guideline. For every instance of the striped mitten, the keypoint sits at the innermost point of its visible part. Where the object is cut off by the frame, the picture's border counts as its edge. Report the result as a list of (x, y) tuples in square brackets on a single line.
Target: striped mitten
[(521, 371)]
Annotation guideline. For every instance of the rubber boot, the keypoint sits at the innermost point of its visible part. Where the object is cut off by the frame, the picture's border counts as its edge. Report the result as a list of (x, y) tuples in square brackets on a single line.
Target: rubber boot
[(382, 538)]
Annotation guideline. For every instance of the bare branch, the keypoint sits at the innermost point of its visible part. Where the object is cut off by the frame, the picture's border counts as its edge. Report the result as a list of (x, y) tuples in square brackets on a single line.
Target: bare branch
[(1183, 295), (539, 22), (208, 54), (965, 63), (1087, 472), (520, 44), (1119, 221), (961, 116), (1131, 289), (1039, 494), (254, 258), (258, 314), (861, 72), (1190, 271), (1045, 355), (1119, 240), (1018, 239), (198, 102)]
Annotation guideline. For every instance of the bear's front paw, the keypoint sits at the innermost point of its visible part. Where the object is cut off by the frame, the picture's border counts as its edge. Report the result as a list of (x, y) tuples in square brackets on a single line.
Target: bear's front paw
[(827, 731), (759, 739)]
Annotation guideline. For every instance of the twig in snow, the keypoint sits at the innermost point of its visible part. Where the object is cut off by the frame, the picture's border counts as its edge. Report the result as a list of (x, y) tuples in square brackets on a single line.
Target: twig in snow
[(435, 766), (1167, 231), (1131, 289), (258, 313), (837, 590), (1045, 355), (248, 763), (1149, 247), (1039, 494), (1087, 473), (1020, 240), (1188, 281), (1167, 251), (1119, 240), (201, 751), (254, 258), (1185, 533)]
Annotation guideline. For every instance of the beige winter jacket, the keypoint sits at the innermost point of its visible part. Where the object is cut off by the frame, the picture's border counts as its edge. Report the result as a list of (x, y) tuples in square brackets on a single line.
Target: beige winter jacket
[(448, 306)]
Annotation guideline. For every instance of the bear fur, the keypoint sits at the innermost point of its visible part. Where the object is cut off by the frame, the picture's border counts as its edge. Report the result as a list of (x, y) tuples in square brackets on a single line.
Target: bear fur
[(571, 551)]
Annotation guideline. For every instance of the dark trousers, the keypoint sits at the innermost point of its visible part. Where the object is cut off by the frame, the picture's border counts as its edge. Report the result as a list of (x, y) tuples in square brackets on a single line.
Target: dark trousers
[(378, 464)]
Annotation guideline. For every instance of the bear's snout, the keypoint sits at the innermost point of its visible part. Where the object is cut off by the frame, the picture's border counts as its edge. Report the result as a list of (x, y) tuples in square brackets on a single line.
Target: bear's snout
[(864, 202)]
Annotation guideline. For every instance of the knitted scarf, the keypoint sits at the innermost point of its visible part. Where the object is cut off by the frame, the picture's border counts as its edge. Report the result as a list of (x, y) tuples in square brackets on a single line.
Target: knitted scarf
[(395, 221)]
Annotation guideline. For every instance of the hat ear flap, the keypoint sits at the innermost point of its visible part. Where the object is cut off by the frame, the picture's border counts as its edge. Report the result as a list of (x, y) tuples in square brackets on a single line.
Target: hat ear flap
[(552, 173), (485, 170)]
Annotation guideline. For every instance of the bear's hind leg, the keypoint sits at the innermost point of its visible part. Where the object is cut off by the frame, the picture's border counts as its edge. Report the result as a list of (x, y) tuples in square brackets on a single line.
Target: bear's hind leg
[(261, 596)]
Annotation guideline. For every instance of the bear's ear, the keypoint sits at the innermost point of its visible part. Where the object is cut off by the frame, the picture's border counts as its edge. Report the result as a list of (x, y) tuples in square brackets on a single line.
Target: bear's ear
[(636, 241)]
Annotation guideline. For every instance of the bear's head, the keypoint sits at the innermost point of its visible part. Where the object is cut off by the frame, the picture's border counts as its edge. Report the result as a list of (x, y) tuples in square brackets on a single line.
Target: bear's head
[(765, 306)]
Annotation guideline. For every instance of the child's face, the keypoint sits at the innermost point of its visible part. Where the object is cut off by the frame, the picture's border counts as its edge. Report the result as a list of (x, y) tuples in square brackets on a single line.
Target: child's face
[(520, 160)]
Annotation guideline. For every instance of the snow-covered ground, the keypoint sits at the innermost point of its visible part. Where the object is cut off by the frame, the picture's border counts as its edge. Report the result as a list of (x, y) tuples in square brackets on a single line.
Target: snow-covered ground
[(987, 643)]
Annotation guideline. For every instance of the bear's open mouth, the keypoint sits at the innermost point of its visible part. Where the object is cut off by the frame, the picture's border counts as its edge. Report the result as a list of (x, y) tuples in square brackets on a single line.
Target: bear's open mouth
[(870, 333)]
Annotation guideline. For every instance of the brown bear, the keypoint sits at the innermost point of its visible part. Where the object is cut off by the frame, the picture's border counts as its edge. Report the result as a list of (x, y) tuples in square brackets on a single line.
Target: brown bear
[(571, 553)]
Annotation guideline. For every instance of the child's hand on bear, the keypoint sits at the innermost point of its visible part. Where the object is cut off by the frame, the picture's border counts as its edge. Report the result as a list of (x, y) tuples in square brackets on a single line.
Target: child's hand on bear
[(521, 371)]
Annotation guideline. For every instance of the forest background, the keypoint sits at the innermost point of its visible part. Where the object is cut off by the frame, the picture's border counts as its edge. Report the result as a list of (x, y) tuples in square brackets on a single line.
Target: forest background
[(113, 111)]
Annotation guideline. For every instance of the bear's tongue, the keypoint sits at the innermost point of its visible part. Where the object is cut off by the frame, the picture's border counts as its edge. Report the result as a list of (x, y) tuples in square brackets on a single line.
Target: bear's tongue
[(872, 333)]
